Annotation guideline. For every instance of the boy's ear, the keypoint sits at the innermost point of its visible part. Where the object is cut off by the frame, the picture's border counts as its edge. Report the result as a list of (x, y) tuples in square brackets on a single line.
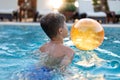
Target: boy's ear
[(60, 30)]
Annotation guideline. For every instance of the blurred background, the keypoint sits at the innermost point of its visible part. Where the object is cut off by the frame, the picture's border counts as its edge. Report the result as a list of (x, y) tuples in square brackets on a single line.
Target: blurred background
[(104, 11)]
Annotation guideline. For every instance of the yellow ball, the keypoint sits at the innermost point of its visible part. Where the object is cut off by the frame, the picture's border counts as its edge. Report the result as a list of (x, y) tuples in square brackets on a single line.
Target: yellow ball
[(87, 34)]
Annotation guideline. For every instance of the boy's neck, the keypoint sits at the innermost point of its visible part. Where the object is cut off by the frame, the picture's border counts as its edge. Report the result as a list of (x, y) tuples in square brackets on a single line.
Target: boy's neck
[(56, 40)]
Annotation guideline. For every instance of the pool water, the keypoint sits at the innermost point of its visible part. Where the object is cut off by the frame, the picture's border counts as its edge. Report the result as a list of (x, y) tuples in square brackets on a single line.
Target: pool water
[(18, 43)]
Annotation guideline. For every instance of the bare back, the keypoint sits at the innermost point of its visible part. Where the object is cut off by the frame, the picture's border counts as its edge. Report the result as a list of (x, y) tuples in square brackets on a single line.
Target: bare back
[(59, 53)]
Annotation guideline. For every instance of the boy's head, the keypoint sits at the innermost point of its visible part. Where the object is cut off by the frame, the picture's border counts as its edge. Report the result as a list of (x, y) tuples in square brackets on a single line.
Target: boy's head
[(51, 23)]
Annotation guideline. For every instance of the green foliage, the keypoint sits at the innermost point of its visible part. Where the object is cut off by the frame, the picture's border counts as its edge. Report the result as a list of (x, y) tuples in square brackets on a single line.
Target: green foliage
[(95, 2), (67, 7), (69, 0)]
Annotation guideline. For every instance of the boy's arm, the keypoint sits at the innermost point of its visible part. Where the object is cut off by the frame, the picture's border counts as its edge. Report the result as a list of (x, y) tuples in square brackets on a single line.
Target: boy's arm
[(67, 58)]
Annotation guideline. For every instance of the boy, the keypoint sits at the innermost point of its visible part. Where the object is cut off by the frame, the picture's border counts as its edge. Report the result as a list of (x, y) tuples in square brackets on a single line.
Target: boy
[(59, 56), (55, 55)]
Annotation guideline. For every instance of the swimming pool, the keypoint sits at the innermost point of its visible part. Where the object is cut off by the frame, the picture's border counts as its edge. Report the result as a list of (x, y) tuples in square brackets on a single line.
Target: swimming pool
[(19, 42)]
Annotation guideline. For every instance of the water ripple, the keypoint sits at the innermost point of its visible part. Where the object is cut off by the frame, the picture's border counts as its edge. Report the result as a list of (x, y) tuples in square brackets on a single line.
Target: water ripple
[(107, 52)]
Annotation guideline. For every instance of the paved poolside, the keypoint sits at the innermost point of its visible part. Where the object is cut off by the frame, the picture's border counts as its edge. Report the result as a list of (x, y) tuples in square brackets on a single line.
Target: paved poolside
[(37, 23)]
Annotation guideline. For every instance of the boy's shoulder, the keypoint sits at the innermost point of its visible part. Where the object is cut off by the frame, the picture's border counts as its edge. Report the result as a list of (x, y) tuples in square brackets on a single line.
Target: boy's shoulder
[(68, 49), (43, 47)]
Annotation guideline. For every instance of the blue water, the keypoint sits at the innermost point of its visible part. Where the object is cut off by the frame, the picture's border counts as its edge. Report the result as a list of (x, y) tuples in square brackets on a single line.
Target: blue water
[(19, 43)]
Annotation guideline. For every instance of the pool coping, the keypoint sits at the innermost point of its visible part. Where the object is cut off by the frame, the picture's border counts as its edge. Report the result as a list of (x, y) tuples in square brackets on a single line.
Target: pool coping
[(37, 24)]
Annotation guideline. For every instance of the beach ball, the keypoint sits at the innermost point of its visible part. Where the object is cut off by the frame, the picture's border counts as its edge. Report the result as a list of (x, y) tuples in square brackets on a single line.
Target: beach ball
[(87, 34)]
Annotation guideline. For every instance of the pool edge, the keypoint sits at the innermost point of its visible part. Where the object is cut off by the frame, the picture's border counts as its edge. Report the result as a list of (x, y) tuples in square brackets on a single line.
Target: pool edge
[(37, 24)]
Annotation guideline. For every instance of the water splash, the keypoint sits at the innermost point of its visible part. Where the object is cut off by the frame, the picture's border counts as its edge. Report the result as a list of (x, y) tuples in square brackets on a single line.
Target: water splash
[(89, 58)]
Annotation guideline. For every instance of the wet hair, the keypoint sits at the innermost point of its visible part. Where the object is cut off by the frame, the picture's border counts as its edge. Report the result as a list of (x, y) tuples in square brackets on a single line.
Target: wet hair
[(51, 23)]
